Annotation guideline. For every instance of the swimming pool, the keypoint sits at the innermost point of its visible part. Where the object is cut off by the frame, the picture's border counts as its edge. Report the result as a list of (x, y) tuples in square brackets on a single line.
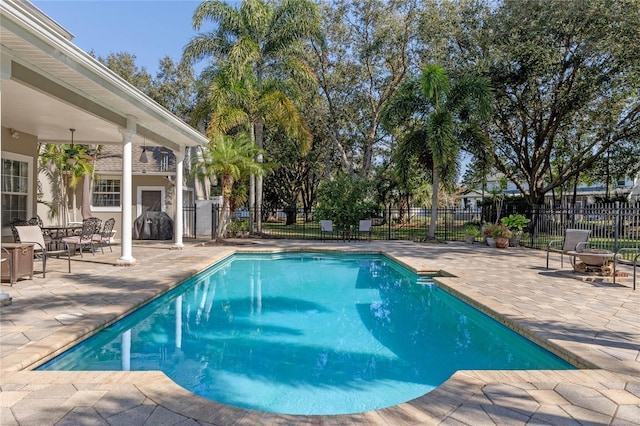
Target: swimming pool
[(307, 333)]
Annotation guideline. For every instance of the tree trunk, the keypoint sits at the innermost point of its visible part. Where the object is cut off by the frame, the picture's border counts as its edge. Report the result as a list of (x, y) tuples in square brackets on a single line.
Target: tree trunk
[(252, 189), (403, 206), (434, 205), (259, 125), (291, 212), (86, 197), (227, 186), (259, 183), (575, 190), (65, 214), (252, 203), (343, 156), (74, 204)]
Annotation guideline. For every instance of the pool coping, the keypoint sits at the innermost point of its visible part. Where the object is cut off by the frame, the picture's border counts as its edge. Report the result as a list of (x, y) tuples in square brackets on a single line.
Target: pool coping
[(428, 408)]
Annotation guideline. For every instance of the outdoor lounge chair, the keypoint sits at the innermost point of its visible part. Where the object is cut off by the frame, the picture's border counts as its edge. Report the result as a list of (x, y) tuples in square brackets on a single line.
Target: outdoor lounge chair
[(365, 228), (14, 231), (32, 234), (574, 240), (326, 227), (48, 240)]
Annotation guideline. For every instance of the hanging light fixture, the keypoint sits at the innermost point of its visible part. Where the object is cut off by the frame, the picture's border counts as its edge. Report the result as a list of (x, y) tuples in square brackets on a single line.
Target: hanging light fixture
[(143, 156), (72, 152)]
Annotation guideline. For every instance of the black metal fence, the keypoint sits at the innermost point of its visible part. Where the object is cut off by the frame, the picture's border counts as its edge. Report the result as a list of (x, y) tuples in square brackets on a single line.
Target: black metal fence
[(612, 226), (189, 220)]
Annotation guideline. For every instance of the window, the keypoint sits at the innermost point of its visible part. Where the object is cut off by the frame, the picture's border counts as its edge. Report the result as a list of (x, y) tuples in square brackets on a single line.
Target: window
[(15, 187), (106, 193)]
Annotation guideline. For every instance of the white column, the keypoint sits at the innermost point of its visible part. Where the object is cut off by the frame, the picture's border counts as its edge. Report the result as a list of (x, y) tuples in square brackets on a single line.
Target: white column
[(179, 322), (259, 290), (5, 74), (252, 289), (126, 257), (125, 361), (178, 220)]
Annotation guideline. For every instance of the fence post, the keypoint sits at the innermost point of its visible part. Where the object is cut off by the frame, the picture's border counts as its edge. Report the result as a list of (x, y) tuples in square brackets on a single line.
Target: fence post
[(214, 220), (446, 223), (195, 221), (215, 223), (616, 232), (389, 223)]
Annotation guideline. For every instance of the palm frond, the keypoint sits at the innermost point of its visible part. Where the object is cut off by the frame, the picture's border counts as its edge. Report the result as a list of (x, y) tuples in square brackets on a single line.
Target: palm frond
[(226, 119), (204, 45), (434, 81), (215, 10), (281, 109)]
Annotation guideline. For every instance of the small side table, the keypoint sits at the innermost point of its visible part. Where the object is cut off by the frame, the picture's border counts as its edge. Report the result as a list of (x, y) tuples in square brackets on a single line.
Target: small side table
[(21, 261)]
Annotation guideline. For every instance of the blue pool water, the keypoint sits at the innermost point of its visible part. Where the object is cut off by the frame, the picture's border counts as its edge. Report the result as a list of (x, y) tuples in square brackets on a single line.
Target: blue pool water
[(307, 333)]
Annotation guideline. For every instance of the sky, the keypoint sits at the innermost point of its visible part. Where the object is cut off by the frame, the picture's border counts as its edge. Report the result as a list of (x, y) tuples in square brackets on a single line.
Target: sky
[(148, 29)]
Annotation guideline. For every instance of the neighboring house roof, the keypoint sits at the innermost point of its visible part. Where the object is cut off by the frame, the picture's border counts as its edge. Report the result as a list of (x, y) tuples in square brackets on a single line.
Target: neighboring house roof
[(49, 85), (584, 190), (635, 191)]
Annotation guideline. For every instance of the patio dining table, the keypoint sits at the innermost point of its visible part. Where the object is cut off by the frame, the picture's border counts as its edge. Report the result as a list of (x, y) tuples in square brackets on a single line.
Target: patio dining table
[(59, 231)]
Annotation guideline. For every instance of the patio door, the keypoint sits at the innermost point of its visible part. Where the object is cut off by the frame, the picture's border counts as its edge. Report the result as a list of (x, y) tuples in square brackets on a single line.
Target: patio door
[(150, 198), (151, 201)]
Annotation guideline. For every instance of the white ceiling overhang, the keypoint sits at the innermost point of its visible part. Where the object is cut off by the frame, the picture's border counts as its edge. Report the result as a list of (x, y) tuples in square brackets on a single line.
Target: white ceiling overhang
[(49, 86)]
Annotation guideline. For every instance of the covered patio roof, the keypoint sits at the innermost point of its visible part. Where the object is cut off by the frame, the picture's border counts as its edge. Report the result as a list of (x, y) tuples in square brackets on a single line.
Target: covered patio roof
[(49, 85)]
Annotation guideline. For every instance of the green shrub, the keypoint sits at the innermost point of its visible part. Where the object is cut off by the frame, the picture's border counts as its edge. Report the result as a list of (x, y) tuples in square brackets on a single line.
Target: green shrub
[(515, 222), (344, 201), (472, 229), (237, 225)]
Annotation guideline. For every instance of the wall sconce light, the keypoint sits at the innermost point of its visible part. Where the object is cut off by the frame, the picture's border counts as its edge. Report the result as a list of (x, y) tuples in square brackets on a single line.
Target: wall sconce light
[(14, 133)]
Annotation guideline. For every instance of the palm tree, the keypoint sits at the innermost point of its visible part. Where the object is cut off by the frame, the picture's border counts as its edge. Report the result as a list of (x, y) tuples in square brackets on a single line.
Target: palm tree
[(237, 104), (440, 115), (260, 41), (65, 166), (230, 158)]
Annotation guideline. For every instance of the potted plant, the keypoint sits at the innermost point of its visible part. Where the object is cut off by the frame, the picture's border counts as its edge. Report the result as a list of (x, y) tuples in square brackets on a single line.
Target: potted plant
[(499, 234), (487, 231), (516, 224), (471, 231)]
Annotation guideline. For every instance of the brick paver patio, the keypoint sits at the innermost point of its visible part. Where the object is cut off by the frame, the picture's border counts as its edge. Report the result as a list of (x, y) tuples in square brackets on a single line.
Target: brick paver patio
[(593, 324)]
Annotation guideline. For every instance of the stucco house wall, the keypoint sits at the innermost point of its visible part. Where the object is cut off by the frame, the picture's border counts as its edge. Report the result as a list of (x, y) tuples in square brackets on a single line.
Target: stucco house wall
[(157, 174), (21, 148)]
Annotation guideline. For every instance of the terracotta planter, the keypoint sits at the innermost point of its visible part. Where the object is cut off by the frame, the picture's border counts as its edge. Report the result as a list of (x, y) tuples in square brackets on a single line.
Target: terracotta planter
[(502, 242)]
